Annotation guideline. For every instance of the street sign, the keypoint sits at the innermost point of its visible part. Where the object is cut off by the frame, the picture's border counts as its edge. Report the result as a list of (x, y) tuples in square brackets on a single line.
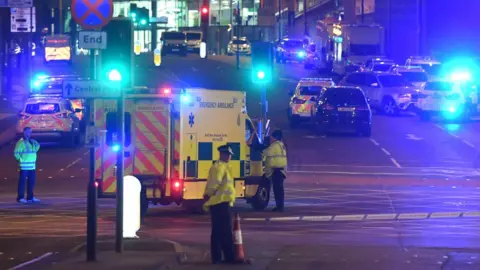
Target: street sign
[(92, 14), (92, 40), (16, 3), (90, 89), (20, 20)]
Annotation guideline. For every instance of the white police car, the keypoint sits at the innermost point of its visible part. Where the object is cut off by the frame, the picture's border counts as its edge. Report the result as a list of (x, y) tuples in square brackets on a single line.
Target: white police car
[(447, 99), (415, 75), (303, 98)]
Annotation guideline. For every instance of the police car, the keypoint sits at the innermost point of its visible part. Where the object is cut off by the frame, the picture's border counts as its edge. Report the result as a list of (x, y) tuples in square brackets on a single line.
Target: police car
[(447, 99), (431, 66), (303, 99), (415, 75), (51, 119)]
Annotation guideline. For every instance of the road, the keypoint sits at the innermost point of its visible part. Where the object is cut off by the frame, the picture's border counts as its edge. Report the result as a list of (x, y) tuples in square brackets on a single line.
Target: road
[(413, 185)]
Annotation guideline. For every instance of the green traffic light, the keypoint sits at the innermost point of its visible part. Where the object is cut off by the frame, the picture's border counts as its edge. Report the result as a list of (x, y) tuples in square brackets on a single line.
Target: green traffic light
[(261, 75), (143, 22), (114, 75), (133, 14)]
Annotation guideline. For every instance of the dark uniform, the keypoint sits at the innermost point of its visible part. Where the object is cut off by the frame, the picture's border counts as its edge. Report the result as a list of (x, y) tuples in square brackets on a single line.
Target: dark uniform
[(220, 195)]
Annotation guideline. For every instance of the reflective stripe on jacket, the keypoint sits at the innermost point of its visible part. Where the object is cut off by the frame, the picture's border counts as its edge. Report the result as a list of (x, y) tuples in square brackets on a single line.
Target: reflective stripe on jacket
[(220, 186), (275, 158), (26, 153)]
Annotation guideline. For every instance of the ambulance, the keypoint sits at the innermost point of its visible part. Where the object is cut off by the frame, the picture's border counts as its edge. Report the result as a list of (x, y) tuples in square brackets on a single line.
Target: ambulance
[(58, 48), (171, 139)]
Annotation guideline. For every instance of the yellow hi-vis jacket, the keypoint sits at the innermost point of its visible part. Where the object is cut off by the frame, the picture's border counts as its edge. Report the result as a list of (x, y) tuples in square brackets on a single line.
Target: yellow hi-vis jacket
[(220, 186), (26, 154), (275, 158)]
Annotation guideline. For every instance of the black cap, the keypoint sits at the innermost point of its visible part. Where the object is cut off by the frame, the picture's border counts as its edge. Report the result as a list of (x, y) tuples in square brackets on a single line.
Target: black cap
[(277, 134), (225, 149)]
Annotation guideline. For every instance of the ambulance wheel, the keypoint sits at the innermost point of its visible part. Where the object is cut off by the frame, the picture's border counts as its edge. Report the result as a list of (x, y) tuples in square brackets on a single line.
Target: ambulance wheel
[(262, 197), (143, 203)]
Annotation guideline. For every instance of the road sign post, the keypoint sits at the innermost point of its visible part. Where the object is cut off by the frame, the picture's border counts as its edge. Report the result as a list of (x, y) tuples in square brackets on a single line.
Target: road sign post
[(91, 15), (120, 154)]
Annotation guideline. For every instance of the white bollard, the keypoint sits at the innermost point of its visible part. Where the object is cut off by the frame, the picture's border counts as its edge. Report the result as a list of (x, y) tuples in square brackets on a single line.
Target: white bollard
[(131, 206), (203, 50)]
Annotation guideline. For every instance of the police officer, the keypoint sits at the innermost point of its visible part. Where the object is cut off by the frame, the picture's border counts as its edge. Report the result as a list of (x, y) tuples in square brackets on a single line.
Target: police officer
[(220, 196), (26, 154), (276, 167)]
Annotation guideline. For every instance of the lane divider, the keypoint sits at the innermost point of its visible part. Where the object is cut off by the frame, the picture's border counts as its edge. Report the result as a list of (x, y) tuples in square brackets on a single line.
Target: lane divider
[(370, 217)]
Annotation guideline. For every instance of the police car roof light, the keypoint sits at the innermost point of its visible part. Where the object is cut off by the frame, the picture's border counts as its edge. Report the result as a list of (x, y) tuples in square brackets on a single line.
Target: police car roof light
[(315, 79)]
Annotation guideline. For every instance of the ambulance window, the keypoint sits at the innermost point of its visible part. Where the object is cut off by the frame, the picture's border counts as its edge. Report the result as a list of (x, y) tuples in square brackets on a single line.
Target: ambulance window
[(112, 128)]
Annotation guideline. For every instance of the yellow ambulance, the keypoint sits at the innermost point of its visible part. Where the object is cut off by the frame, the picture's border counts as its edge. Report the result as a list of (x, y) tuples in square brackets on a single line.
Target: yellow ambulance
[(171, 137)]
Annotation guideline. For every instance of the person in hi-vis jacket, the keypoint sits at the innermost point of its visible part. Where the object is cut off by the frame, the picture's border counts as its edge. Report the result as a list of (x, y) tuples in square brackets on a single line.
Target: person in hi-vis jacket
[(26, 154)]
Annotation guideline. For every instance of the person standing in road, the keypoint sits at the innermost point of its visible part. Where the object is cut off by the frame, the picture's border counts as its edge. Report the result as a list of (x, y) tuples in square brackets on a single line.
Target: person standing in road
[(26, 154), (276, 167), (220, 196)]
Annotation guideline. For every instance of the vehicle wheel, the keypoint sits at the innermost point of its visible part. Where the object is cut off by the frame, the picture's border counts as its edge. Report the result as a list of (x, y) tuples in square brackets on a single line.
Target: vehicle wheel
[(262, 197), (389, 106), (425, 116)]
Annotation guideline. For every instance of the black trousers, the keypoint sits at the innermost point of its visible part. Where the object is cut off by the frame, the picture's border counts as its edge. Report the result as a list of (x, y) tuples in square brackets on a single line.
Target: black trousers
[(278, 177), (26, 177), (221, 240)]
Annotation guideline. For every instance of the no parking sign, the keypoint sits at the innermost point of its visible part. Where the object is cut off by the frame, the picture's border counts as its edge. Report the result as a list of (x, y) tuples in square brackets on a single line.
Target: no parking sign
[(92, 14)]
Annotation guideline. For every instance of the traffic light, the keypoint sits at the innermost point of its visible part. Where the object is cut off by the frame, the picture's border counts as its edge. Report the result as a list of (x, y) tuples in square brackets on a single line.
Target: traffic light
[(143, 17), (205, 14), (133, 12), (262, 62), (117, 61)]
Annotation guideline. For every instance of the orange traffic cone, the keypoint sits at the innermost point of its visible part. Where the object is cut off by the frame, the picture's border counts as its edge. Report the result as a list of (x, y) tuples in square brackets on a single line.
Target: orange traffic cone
[(237, 239)]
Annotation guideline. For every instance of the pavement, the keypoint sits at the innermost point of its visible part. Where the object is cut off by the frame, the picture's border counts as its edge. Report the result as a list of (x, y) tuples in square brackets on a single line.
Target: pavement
[(406, 198)]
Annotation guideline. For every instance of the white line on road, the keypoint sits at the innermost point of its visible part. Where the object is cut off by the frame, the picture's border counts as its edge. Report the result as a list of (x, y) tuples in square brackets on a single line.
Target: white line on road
[(32, 261), (469, 143), (382, 173), (374, 142), (440, 127), (395, 162), (386, 152)]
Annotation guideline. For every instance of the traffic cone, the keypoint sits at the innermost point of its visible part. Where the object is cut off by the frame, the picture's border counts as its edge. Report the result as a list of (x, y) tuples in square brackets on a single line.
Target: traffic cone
[(237, 239)]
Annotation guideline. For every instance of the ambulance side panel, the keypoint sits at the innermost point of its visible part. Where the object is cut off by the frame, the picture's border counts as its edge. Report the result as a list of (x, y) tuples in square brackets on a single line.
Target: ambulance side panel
[(209, 119)]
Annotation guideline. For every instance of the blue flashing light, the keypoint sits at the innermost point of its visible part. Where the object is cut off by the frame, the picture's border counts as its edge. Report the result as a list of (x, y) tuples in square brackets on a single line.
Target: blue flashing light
[(461, 76), (185, 98), (115, 147), (301, 54), (452, 109)]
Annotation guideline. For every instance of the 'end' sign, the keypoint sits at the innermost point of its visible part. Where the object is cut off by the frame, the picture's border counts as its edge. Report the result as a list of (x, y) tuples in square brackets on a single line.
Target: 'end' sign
[(92, 40)]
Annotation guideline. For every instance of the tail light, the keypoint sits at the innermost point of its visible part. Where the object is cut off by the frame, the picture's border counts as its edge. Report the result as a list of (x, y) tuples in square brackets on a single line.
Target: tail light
[(24, 116), (62, 115), (298, 101), (177, 186)]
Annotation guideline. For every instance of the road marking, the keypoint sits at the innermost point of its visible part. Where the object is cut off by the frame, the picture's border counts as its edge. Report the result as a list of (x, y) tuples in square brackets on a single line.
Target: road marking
[(32, 261), (374, 142), (395, 162), (469, 143), (380, 216), (372, 217), (386, 152), (446, 215), (317, 218), (453, 173), (73, 163), (440, 127), (284, 218), (348, 217), (413, 137), (413, 216)]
